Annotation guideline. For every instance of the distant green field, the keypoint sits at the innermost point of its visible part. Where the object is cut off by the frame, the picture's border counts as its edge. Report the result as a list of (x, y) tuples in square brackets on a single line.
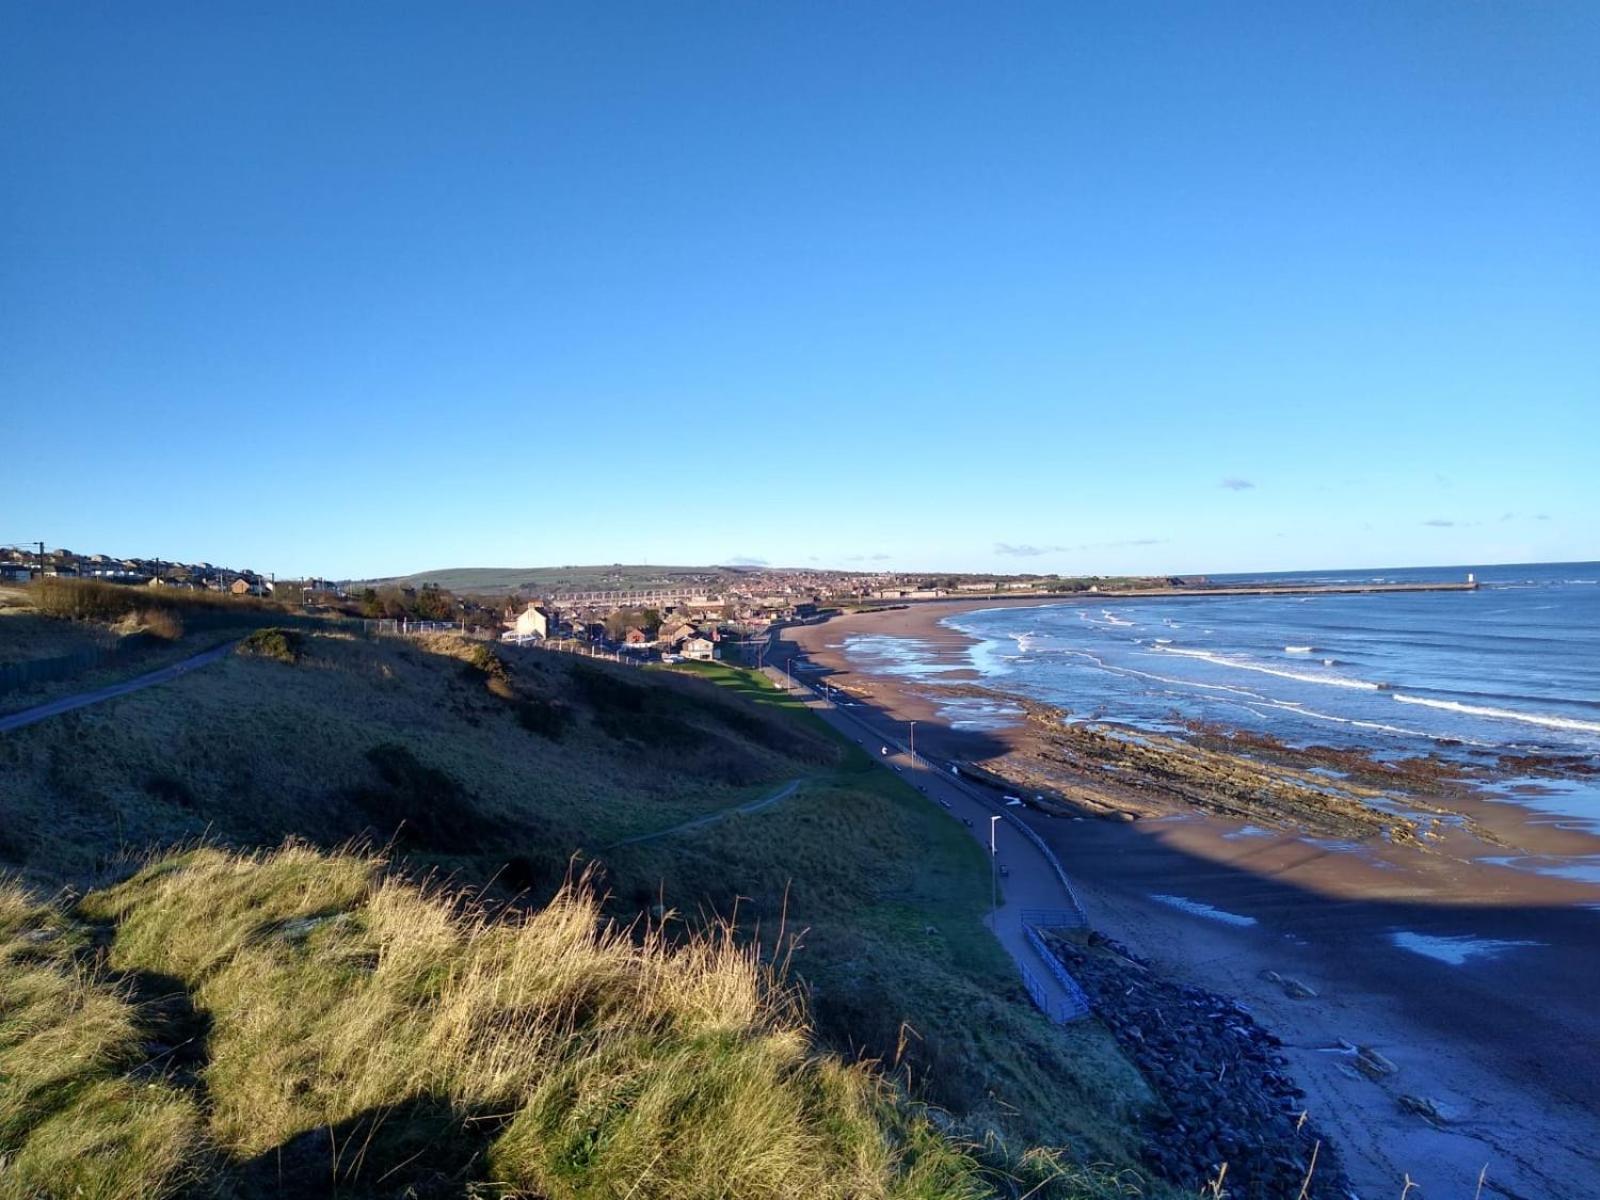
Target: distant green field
[(618, 576)]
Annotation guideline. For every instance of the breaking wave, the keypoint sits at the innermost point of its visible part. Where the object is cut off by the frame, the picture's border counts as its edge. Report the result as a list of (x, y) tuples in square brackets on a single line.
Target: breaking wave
[(1223, 660), (1547, 720)]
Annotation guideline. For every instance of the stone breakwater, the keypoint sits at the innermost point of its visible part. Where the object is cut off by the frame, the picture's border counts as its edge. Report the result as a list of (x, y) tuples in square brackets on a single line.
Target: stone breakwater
[(1226, 1096)]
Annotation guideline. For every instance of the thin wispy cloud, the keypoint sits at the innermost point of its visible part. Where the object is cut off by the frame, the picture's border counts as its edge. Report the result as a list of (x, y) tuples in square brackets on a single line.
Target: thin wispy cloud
[(1025, 550), (1028, 550), (1234, 484), (1440, 523), (746, 560)]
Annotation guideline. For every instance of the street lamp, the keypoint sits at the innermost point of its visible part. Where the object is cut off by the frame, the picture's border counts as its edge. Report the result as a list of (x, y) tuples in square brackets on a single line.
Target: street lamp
[(913, 725), (994, 874)]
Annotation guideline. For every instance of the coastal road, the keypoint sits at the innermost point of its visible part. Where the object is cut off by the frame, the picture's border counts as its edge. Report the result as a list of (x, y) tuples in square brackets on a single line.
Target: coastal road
[(1031, 881), (42, 712)]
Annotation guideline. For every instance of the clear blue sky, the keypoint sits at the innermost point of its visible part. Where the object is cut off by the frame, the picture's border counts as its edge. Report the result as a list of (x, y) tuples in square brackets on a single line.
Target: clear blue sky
[(359, 289)]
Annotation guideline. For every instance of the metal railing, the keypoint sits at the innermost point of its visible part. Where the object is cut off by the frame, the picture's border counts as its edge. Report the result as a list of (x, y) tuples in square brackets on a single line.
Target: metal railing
[(1052, 918), (1036, 990), (1077, 1003)]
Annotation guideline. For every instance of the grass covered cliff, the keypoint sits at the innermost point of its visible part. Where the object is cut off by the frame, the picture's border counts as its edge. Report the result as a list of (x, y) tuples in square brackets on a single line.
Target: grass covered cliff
[(570, 1006)]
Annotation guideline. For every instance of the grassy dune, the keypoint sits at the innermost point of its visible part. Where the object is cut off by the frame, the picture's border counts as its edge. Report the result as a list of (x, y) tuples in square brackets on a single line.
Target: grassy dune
[(230, 1014)]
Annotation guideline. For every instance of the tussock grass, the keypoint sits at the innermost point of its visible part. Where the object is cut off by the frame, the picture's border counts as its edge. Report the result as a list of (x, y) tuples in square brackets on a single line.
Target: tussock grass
[(575, 1058), (97, 600), (159, 623), (72, 1123)]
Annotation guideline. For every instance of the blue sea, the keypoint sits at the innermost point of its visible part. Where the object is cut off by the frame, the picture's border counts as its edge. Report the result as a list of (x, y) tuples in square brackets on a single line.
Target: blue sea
[(1513, 667)]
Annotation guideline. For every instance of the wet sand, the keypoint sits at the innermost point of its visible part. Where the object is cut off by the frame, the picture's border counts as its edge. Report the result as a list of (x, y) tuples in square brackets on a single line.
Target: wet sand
[(1477, 981)]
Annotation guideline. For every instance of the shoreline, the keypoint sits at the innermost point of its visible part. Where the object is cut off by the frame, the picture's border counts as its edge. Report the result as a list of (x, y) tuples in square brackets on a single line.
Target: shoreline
[(1483, 818), (1472, 977)]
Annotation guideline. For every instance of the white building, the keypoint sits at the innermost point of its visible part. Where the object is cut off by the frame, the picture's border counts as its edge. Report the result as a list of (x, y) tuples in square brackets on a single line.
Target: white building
[(701, 649), (532, 622)]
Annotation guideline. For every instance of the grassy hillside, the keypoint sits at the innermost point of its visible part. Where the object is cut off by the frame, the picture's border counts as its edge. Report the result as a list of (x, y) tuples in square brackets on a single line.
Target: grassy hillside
[(112, 632), (506, 771)]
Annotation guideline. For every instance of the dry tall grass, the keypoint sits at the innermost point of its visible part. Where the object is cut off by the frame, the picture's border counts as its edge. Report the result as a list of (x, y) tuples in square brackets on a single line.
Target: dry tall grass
[(97, 600), (160, 623), (579, 1060), (72, 1123)]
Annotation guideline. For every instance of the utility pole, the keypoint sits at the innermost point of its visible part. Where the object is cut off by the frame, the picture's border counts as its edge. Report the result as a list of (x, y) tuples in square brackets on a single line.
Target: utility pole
[(913, 739), (41, 560)]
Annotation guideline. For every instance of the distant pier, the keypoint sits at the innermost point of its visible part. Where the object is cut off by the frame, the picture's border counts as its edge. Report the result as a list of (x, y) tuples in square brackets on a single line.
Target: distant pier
[(1265, 589)]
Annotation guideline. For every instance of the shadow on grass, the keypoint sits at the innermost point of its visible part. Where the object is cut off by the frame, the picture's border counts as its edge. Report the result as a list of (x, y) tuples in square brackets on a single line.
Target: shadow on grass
[(177, 1034), (422, 1149)]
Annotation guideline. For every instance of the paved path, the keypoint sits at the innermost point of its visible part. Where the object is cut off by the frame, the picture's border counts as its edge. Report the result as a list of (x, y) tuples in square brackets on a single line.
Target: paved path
[(1031, 881), (31, 716), (722, 814)]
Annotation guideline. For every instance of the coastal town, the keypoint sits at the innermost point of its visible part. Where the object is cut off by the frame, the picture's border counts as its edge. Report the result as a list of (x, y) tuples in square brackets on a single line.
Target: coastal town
[(648, 612), (664, 613)]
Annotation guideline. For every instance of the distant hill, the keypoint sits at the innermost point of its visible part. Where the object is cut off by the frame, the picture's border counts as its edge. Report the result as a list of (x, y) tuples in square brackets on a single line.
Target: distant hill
[(612, 577)]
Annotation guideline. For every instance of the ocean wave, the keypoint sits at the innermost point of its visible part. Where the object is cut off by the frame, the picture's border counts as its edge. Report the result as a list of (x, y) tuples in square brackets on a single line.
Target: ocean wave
[(1298, 649), (1183, 683), (1547, 720), (1381, 727), (1223, 660)]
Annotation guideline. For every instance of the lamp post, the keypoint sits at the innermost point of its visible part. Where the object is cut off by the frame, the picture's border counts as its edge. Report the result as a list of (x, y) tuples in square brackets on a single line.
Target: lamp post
[(994, 874), (913, 725)]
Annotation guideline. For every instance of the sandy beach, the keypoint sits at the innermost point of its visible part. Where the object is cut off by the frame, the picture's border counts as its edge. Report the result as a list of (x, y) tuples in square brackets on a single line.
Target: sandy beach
[(1474, 980)]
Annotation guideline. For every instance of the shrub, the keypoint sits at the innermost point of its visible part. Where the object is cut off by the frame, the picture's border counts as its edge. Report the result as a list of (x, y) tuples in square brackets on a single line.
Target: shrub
[(282, 645), (484, 663)]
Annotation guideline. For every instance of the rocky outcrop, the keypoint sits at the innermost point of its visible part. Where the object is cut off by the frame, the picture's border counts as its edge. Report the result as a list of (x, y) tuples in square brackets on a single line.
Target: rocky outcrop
[(1226, 1095)]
